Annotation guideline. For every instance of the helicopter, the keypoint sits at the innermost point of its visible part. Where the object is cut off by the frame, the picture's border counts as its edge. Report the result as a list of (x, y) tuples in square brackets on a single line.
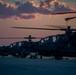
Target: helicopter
[(18, 49), (64, 44)]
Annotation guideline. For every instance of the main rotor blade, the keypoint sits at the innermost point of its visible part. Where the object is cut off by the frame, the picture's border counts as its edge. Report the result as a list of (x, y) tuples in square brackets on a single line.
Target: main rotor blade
[(35, 28), (32, 37), (62, 29), (73, 29), (11, 37), (68, 12), (20, 38), (57, 26)]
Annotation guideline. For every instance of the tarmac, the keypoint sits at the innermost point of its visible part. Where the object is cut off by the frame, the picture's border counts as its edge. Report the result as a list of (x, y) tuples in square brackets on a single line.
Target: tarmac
[(22, 66)]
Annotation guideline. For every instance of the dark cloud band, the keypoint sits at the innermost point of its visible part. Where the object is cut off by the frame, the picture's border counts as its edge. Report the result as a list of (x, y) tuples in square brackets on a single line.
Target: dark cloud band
[(46, 7)]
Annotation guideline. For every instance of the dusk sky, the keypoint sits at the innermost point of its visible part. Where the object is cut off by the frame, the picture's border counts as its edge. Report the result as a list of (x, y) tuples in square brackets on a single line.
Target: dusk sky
[(33, 13)]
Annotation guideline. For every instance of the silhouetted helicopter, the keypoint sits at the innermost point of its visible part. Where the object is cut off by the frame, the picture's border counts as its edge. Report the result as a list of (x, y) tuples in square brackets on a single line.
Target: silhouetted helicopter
[(61, 45), (21, 48)]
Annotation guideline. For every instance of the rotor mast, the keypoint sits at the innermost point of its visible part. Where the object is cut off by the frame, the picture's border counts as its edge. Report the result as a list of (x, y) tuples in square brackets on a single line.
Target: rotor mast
[(68, 31), (29, 38)]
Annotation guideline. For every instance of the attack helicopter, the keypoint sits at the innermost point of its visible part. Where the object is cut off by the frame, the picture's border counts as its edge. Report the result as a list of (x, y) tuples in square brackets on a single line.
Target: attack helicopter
[(20, 48), (57, 45)]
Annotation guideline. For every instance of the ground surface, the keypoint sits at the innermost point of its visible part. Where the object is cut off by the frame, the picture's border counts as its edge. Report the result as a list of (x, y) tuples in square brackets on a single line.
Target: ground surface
[(19, 66)]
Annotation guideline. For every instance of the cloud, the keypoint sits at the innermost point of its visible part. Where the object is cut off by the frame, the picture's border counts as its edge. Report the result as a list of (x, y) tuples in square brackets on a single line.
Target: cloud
[(58, 7), (74, 8), (18, 3), (25, 16), (28, 7), (46, 3), (45, 7), (6, 10)]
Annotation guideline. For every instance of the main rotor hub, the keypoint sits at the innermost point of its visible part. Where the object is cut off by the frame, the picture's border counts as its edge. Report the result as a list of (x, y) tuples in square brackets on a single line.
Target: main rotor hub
[(30, 38), (68, 30), (69, 27)]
